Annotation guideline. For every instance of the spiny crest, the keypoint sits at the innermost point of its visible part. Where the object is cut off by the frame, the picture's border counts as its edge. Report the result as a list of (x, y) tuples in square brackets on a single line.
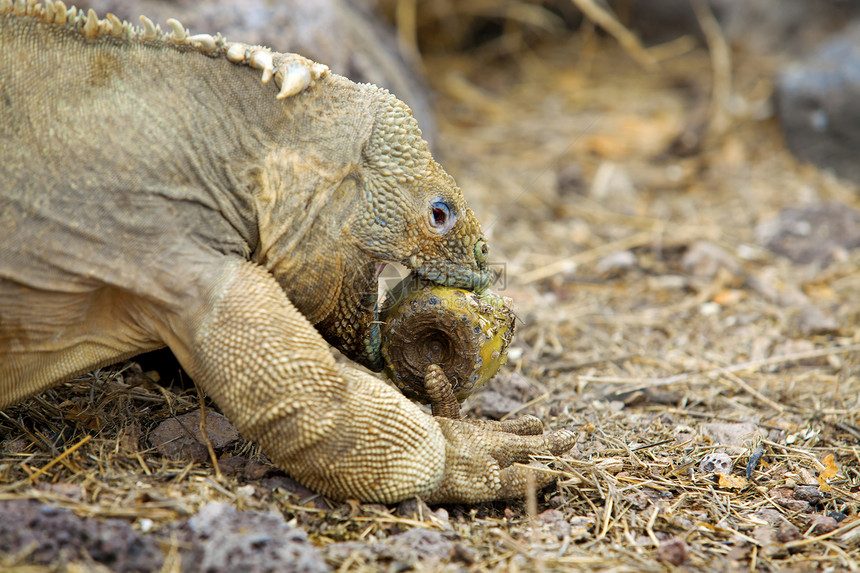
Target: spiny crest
[(396, 148), (292, 72)]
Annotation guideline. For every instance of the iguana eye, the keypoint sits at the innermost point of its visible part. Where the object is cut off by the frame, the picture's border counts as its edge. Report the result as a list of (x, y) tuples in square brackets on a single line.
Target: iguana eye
[(442, 217)]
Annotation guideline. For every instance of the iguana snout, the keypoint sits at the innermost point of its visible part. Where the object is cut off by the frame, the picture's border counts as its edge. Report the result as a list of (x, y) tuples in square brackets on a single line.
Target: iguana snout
[(453, 252)]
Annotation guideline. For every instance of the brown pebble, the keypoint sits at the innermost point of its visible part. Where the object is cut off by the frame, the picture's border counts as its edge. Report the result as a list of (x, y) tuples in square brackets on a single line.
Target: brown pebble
[(787, 532), (808, 493), (672, 551), (179, 438), (255, 470), (231, 465), (822, 524)]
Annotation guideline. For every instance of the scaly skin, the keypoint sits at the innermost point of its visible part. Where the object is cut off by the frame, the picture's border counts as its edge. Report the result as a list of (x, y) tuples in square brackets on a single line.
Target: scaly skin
[(153, 192)]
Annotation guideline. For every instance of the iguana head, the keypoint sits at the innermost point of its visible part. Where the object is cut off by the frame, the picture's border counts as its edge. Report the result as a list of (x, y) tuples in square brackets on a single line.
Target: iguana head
[(362, 191), (412, 210)]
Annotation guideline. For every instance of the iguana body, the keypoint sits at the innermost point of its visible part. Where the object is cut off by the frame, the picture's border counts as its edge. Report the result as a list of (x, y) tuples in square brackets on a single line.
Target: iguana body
[(153, 192)]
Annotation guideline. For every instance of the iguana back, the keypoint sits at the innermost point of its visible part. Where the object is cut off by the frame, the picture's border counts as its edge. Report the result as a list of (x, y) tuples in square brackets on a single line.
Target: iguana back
[(103, 167)]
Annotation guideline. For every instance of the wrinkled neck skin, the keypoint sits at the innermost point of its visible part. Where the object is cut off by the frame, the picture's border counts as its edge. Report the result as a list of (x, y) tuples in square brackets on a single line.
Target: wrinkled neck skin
[(320, 265), (308, 196)]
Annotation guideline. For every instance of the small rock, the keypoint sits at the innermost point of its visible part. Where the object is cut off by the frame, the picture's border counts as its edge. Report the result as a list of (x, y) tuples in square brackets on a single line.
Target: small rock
[(716, 462), (558, 500), (808, 493), (705, 259), (581, 527), (401, 552), (336, 554), (255, 471), (766, 537), (817, 233), (769, 515), (430, 545), (49, 535), (837, 515), (788, 502), (822, 524), (741, 435), (179, 438), (673, 551), (231, 465), (549, 516), (225, 539), (558, 525), (787, 532), (416, 509), (297, 491), (764, 534)]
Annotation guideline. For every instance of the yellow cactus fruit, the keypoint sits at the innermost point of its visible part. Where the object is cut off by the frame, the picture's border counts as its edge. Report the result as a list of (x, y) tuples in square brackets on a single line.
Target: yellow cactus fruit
[(464, 333)]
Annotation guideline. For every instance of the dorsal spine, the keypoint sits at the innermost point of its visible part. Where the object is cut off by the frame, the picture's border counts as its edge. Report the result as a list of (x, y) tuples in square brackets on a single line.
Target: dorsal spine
[(292, 73)]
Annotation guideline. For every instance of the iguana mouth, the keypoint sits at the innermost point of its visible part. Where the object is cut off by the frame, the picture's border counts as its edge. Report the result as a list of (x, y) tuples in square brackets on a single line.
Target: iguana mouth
[(453, 275)]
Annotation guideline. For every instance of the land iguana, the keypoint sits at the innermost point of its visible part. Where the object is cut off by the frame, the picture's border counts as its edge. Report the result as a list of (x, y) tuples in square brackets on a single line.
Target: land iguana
[(153, 192)]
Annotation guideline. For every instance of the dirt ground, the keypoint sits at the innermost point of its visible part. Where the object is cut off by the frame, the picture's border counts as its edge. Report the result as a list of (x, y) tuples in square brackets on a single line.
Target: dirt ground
[(688, 302)]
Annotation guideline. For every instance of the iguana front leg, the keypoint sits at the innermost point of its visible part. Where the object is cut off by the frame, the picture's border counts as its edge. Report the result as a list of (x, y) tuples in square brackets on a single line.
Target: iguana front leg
[(342, 432)]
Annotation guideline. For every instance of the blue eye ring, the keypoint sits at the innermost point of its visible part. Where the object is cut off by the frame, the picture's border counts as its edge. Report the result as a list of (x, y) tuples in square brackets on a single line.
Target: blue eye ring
[(442, 216)]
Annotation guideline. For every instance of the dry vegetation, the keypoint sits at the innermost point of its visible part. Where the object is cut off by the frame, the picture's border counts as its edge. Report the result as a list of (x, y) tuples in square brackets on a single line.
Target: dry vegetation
[(630, 209)]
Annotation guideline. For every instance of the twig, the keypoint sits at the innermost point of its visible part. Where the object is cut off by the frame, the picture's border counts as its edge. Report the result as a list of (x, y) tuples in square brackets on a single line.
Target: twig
[(204, 436), (616, 29), (649, 527), (753, 392), (59, 458), (809, 540), (531, 495), (406, 16), (643, 383), (560, 266), (32, 477), (721, 64)]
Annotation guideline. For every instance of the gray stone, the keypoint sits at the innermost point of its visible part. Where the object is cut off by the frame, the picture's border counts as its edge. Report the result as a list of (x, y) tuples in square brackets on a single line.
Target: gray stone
[(225, 539), (818, 104), (179, 438), (817, 233)]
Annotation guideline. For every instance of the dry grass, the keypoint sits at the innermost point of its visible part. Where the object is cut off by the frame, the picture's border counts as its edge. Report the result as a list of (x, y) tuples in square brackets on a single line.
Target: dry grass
[(570, 152)]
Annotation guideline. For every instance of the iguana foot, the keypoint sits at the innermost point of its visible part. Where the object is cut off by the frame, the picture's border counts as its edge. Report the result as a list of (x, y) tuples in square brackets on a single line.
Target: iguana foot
[(479, 459), (480, 453), (522, 426)]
